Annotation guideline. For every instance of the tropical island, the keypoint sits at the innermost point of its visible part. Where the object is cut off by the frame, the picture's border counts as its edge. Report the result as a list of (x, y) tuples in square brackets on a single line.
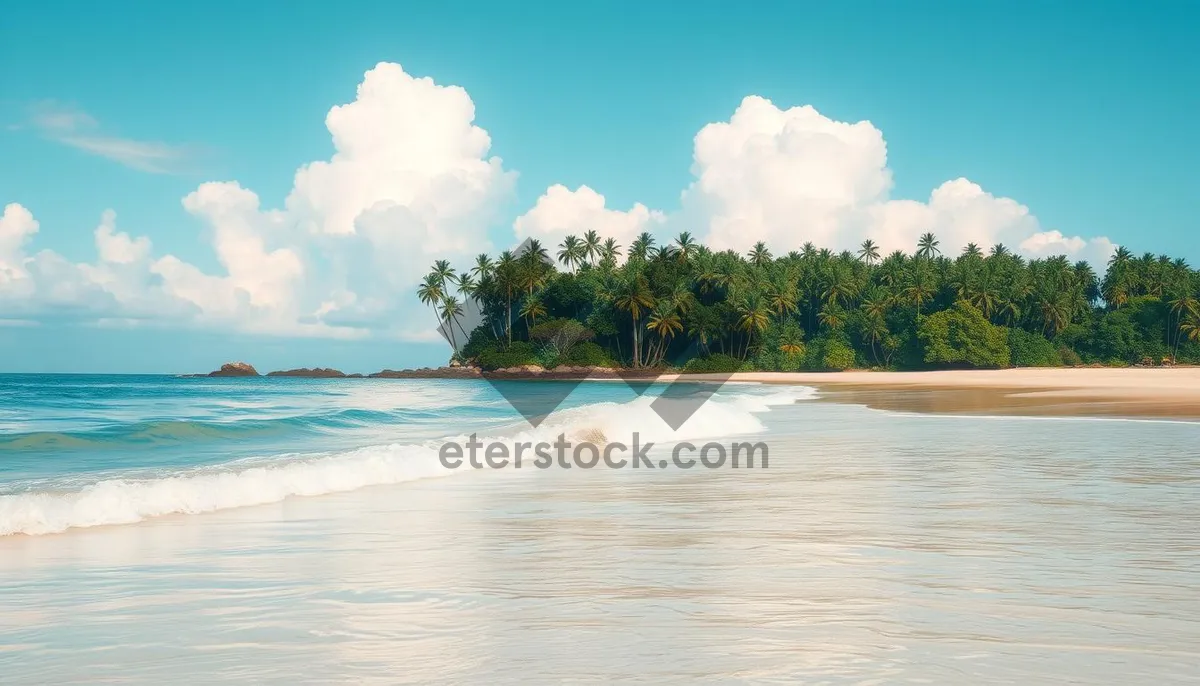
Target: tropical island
[(684, 307)]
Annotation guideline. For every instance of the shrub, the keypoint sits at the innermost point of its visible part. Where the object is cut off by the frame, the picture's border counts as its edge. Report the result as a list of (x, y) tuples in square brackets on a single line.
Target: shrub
[(1069, 357), (560, 334), (962, 336), (516, 354), (837, 355), (715, 364), (588, 354), (481, 339), (1031, 350)]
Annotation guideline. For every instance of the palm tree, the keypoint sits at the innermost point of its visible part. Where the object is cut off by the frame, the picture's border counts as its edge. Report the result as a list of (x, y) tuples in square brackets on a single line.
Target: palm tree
[(483, 265), (1190, 328), (999, 250), (640, 249), (753, 317), (920, 289), (571, 252), (451, 311), (634, 296), (467, 285), (685, 246), (431, 290), (927, 247), (759, 255), (664, 321), (532, 310), (610, 250), (591, 245), (869, 252), (972, 250), (1184, 305), (506, 273)]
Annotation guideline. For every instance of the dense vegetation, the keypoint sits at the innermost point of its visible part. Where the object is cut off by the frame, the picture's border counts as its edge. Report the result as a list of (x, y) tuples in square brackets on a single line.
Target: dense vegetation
[(683, 305)]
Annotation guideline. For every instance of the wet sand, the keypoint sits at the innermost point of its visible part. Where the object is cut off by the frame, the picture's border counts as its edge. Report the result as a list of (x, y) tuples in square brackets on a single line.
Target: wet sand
[(1164, 393)]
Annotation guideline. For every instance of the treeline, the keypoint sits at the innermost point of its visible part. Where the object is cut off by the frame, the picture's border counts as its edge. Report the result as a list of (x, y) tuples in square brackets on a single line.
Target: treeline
[(591, 302)]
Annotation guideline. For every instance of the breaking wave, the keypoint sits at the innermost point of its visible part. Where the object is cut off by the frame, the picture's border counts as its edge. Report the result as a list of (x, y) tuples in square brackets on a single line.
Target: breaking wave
[(260, 481)]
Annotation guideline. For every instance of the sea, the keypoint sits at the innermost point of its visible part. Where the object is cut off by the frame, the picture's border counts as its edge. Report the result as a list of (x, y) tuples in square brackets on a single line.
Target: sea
[(285, 530)]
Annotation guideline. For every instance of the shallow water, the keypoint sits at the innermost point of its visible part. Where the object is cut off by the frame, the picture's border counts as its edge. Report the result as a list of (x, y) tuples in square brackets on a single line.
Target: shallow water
[(876, 548)]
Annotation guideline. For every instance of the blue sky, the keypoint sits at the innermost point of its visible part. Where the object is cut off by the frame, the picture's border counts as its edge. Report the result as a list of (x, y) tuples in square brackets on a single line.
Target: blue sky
[(1080, 112)]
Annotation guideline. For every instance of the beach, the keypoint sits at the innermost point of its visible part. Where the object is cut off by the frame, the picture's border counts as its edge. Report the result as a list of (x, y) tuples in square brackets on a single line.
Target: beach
[(1147, 392), (283, 530)]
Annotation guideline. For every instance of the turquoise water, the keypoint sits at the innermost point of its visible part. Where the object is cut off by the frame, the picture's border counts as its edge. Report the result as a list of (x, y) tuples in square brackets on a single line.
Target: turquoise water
[(290, 530)]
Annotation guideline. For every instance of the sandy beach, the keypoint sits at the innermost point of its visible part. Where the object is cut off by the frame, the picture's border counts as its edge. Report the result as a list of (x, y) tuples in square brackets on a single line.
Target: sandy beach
[(1168, 393)]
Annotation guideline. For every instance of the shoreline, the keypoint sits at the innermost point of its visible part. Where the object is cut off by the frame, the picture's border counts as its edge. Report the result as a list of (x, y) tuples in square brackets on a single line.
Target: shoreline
[(1134, 392), (1145, 393)]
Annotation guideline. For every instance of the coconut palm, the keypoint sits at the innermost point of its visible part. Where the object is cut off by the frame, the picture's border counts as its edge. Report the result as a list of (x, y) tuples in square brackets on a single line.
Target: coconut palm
[(927, 246), (868, 252), (634, 296), (591, 246), (451, 310), (759, 255), (571, 252), (665, 322)]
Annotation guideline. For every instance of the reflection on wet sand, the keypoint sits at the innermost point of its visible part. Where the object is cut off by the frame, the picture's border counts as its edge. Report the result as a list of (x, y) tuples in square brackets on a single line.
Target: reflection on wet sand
[(1031, 402), (878, 548)]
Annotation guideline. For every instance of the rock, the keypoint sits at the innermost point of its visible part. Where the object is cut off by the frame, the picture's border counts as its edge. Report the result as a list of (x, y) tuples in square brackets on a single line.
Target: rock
[(427, 373), (316, 373), (455, 363), (235, 369)]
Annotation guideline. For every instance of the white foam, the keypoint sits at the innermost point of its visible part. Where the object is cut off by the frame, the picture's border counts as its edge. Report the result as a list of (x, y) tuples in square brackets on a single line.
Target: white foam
[(241, 484)]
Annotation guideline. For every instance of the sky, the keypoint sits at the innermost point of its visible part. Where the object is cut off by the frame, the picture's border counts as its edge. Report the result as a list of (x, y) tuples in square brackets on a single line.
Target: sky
[(187, 184)]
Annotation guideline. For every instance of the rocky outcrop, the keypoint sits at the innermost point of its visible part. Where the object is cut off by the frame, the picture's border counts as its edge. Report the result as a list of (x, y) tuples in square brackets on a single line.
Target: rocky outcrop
[(316, 373), (533, 371), (235, 369), (429, 373)]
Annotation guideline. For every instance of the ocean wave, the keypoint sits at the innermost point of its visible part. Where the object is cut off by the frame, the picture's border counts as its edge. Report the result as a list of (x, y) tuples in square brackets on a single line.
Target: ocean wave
[(267, 480), (168, 431)]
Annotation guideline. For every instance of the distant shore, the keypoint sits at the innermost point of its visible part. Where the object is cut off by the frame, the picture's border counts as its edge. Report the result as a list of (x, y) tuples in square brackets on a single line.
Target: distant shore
[(1146, 392)]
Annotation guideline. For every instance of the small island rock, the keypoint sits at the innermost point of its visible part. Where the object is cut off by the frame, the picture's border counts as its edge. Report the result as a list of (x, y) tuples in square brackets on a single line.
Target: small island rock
[(235, 369), (316, 373)]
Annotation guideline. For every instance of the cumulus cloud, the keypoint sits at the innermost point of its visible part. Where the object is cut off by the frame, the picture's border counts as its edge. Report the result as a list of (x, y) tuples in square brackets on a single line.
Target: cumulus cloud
[(17, 226), (410, 180), (561, 211), (787, 176)]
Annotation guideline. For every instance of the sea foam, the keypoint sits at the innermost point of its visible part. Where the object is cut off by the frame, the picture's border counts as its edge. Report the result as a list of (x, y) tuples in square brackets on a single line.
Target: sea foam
[(269, 480)]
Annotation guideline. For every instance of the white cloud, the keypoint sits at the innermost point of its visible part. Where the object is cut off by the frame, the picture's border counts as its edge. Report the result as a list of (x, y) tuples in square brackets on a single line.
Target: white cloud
[(561, 211), (71, 126), (409, 181), (1046, 243), (17, 226), (795, 175)]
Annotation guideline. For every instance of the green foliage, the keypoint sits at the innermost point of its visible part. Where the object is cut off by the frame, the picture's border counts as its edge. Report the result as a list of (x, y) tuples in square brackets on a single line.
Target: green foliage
[(836, 355), (560, 335), (1069, 357), (519, 353), (716, 364), (781, 348), (481, 339), (588, 354), (933, 306), (1032, 350), (961, 336)]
